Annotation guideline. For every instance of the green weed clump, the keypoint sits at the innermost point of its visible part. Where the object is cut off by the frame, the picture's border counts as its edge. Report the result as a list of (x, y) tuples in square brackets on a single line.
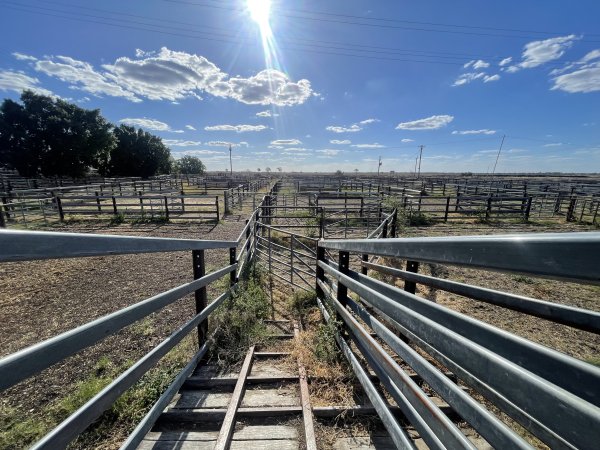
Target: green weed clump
[(239, 322), (325, 345), (303, 301)]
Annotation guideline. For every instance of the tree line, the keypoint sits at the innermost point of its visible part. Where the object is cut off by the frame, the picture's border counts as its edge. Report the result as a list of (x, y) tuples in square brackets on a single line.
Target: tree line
[(48, 136)]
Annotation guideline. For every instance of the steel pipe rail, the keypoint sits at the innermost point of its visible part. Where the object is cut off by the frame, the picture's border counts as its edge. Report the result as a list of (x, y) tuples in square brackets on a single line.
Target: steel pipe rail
[(69, 429), (563, 256), (582, 319), (20, 245), (535, 386), (31, 360)]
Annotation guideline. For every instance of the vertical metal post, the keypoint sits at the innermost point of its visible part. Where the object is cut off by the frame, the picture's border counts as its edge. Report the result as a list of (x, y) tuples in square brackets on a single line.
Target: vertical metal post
[(363, 269), (528, 208), (200, 294), (342, 290), (292, 262), (166, 208), (411, 286), (271, 277), (217, 207), (320, 273), (61, 213), (447, 208), (232, 274), (394, 223)]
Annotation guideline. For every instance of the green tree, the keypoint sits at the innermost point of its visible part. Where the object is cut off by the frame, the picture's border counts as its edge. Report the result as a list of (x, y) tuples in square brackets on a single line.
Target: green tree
[(49, 136), (190, 164), (136, 153)]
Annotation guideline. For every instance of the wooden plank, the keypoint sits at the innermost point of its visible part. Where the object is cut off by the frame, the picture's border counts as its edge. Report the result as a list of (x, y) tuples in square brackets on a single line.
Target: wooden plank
[(201, 399), (226, 432), (284, 396), (262, 368), (217, 415), (307, 416), (202, 383), (247, 433), (283, 444)]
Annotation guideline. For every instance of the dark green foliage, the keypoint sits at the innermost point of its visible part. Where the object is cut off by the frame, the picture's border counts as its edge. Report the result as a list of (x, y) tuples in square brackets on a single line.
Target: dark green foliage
[(325, 346), (239, 322), (190, 164), (304, 301), (137, 153), (49, 136)]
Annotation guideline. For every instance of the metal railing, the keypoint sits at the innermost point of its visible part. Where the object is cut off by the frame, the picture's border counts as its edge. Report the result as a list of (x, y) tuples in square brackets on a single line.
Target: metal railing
[(30, 245), (555, 397)]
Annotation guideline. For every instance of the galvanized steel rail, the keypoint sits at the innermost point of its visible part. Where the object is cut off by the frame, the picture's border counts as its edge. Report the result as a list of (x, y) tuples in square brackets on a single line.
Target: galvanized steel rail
[(553, 396)]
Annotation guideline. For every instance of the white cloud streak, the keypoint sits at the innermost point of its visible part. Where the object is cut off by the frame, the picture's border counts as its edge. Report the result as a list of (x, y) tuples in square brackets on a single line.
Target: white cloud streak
[(236, 128), (429, 123)]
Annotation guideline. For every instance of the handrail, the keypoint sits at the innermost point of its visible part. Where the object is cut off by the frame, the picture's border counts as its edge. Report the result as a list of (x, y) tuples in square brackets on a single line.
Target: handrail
[(565, 256), (31, 360), (18, 245), (523, 379)]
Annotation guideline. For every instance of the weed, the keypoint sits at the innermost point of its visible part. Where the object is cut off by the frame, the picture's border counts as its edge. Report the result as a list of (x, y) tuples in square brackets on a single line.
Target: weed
[(303, 301), (419, 219), (144, 218), (325, 346), (117, 219), (238, 322), (595, 360), (523, 279)]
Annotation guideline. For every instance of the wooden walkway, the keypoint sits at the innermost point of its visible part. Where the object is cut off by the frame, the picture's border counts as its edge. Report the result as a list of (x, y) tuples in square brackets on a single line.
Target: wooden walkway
[(264, 406)]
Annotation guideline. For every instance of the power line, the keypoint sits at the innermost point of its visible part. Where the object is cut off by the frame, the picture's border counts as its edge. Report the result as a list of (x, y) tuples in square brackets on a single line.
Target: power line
[(433, 57), (294, 14)]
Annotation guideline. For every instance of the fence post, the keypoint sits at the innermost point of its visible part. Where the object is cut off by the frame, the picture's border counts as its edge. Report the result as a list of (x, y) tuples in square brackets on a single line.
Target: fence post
[(217, 207), (166, 208), (225, 202), (292, 261), (141, 202), (411, 286), (320, 273), (488, 208), (98, 202), (571, 210), (114, 203), (321, 213), (200, 294), (342, 290), (394, 222), (248, 232), (2, 221), (447, 208), (61, 213), (182, 200), (232, 275), (528, 208)]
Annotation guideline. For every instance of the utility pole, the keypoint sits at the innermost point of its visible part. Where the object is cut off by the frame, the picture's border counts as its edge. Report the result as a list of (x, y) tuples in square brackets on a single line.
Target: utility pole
[(420, 156), (230, 163), (378, 167), (498, 155)]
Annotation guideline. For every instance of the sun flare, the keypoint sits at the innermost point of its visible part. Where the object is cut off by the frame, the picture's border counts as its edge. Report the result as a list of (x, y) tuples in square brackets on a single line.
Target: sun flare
[(259, 12)]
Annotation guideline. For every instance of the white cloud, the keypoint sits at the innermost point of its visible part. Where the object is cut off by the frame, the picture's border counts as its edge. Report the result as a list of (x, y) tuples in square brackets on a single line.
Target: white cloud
[(225, 144), (189, 127), (466, 78), (286, 142), (22, 57), (368, 121), (351, 129), (505, 61), (18, 82), (406, 140), (581, 77), (197, 152), (355, 127), (536, 53), (82, 75), (483, 131), (338, 142), (554, 144), (489, 78), (181, 143), (429, 123), (173, 76), (267, 113), (375, 145), (329, 152), (236, 128), (149, 124), (477, 64)]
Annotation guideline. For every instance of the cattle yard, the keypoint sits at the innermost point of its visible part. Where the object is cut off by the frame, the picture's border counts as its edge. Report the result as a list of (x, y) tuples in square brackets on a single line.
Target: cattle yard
[(356, 276)]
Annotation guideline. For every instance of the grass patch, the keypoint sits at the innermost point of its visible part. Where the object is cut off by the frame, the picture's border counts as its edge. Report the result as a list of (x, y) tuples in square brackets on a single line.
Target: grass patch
[(523, 279), (238, 321), (302, 302), (144, 218), (117, 219), (594, 360)]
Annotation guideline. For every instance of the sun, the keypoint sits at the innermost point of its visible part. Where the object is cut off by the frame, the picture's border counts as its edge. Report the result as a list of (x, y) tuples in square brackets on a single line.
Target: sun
[(259, 12)]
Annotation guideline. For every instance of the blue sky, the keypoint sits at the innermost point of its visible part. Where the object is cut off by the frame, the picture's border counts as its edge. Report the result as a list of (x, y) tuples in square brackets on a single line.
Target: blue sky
[(328, 85)]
